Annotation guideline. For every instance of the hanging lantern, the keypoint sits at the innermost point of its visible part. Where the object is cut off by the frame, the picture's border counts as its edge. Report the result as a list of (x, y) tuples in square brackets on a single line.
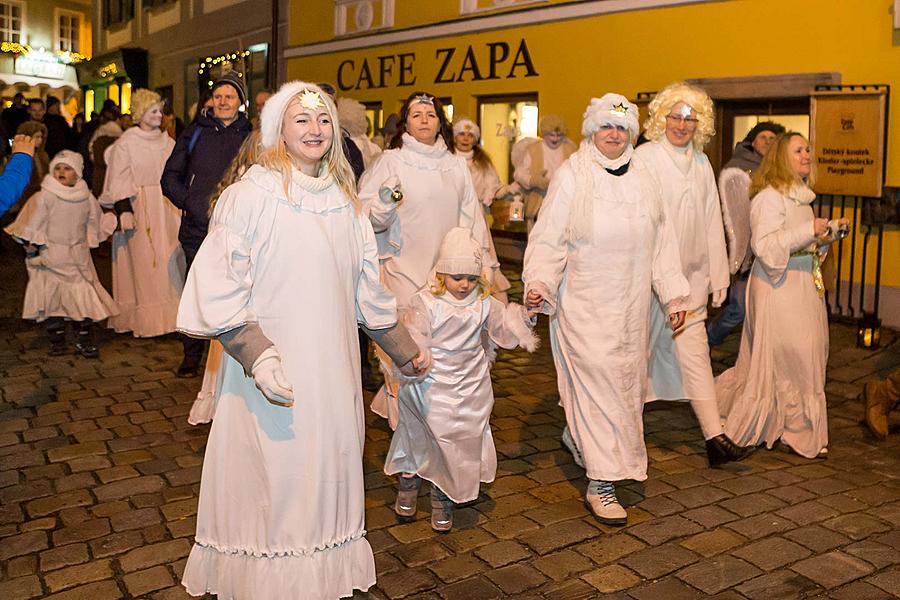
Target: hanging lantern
[(868, 333)]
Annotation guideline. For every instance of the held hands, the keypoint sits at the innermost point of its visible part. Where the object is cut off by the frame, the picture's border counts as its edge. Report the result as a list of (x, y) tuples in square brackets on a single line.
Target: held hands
[(23, 143), (390, 190), (676, 320), (418, 365), (126, 221), (270, 379), (718, 297), (533, 302), (820, 228)]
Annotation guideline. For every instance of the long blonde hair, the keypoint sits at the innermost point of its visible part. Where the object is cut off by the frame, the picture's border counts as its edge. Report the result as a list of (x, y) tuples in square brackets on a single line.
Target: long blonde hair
[(775, 169), (246, 157), (438, 286), (696, 98), (334, 163)]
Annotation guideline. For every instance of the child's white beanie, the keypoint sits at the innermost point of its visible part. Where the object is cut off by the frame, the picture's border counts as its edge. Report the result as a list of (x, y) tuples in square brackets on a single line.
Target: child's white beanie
[(67, 157), (460, 253)]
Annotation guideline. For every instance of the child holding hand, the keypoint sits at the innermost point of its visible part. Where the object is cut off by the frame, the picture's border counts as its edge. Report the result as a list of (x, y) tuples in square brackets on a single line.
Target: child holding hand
[(444, 434), (58, 227)]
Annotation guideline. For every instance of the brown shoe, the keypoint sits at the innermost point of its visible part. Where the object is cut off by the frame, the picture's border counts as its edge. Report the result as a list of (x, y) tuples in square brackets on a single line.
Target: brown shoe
[(880, 397), (407, 496)]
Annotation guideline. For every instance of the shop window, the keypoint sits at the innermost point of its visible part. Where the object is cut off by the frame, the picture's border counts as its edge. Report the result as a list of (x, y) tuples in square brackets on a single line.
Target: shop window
[(116, 12), (125, 98), (504, 120), (447, 101), (12, 21), (68, 31), (735, 118), (89, 105), (375, 116)]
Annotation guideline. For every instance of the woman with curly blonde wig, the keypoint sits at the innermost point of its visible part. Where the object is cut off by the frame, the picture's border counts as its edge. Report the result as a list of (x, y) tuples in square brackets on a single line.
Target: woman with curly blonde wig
[(680, 124)]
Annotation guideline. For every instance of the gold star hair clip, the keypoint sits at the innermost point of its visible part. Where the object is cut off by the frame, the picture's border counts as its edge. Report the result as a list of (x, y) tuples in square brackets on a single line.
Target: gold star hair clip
[(424, 99), (311, 100), (619, 108)]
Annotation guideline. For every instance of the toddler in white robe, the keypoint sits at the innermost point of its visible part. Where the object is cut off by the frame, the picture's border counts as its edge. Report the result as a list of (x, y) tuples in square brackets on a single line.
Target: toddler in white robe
[(58, 227), (443, 434)]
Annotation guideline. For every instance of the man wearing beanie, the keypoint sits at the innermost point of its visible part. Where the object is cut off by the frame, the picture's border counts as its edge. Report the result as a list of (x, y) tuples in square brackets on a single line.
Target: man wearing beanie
[(198, 162), (540, 163), (734, 190)]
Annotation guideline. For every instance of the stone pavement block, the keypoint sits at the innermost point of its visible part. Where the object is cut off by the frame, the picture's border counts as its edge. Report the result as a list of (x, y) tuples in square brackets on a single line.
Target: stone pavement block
[(21, 566), (129, 487), (509, 527), (475, 588), (760, 526), (21, 588), (455, 568), (577, 589), (406, 583), (857, 526), (817, 538), (888, 580), (26, 543), (659, 531), (806, 513), (134, 519), (709, 516), (661, 506), (609, 547), (563, 534), (772, 553), (412, 532), (752, 504), (64, 556), (827, 486), (52, 504), (502, 553), (791, 494), (611, 578), (385, 563), (656, 561), (78, 575), (181, 509), (669, 588), (116, 544), (154, 554), (562, 564), (778, 585), (81, 532), (860, 590), (103, 590), (420, 553), (67, 453), (874, 553), (833, 569), (548, 514), (143, 582), (698, 496), (709, 543), (715, 575), (466, 539), (515, 579)]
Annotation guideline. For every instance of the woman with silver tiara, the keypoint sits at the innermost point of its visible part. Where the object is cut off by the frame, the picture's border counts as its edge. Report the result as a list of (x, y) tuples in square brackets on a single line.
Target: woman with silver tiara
[(599, 248)]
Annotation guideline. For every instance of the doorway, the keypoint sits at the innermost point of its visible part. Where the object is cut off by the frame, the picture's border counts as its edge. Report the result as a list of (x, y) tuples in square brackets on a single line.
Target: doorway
[(735, 118), (504, 120)]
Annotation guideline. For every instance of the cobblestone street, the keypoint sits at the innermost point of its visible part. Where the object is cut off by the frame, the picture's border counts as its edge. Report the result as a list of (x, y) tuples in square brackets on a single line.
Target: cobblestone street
[(100, 472)]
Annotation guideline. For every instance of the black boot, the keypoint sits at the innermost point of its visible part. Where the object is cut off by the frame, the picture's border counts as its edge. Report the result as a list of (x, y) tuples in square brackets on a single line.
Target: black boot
[(371, 378), (720, 450), (84, 343), (56, 331)]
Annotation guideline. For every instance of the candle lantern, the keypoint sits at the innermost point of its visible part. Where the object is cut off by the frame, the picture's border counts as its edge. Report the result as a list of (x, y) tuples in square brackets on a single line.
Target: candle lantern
[(868, 332)]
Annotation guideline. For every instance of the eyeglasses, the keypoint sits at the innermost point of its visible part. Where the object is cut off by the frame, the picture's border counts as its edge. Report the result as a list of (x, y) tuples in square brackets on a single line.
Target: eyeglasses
[(689, 121)]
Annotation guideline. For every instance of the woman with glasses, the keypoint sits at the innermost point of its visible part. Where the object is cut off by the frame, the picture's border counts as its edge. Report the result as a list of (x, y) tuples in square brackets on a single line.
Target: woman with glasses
[(679, 126)]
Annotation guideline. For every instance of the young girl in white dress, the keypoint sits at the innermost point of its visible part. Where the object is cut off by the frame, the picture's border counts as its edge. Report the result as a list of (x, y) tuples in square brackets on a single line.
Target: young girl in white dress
[(58, 227), (443, 434)]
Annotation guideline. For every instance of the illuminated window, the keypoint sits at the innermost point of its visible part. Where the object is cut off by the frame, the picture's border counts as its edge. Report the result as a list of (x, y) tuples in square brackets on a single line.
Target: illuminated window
[(68, 31), (12, 21), (88, 104), (125, 102)]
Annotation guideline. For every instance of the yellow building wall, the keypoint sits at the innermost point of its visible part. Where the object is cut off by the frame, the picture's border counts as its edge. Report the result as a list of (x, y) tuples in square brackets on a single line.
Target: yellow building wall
[(639, 51)]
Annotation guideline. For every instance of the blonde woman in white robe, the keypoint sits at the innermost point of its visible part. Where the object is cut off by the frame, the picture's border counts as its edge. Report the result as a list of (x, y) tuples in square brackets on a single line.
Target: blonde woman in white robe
[(776, 390), (600, 246), (414, 194), (282, 507), (679, 126), (147, 260)]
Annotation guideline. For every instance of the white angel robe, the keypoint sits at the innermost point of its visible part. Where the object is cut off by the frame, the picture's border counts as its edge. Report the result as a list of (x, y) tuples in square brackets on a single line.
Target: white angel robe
[(777, 387), (67, 222), (281, 512), (680, 368), (444, 432), (438, 195), (598, 296), (147, 261)]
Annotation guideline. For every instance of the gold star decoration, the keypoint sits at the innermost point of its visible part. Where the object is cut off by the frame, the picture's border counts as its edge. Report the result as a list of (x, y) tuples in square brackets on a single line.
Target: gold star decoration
[(619, 108), (311, 100)]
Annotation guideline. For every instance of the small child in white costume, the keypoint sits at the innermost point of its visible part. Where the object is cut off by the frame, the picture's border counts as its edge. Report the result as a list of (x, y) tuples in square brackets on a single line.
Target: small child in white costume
[(444, 434), (58, 227)]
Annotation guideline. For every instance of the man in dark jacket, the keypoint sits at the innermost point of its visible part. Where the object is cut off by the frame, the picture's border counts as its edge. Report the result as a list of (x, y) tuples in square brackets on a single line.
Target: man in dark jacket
[(58, 130), (197, 163)]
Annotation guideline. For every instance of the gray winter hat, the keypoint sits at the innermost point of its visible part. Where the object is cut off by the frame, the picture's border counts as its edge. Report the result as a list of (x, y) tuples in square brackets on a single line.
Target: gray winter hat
[(234, 79)]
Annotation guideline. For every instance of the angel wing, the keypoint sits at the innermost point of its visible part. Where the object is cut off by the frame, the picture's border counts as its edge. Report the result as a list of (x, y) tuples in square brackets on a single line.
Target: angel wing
[(734, 192)]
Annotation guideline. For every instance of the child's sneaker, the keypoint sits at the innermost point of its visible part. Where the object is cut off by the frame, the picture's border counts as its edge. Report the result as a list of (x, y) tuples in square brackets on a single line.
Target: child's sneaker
[(441, 511), (407, 495)]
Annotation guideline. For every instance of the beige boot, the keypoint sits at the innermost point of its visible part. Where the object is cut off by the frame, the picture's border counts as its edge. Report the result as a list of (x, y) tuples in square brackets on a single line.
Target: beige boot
[(881, 397)]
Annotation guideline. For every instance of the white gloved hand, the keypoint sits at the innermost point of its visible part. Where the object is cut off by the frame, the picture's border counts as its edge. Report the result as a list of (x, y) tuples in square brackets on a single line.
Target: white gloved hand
[(718, 297), (108, 223), (390, 189), (270, 378), (126, 221)]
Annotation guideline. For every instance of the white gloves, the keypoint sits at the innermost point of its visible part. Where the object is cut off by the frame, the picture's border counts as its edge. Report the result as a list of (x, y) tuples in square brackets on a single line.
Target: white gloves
[(126, 221), (270, 378), (108, 224), (390, 190), (718, 297)]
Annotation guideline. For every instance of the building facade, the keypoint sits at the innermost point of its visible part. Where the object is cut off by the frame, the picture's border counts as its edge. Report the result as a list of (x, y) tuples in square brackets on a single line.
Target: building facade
[(177, 46), (504, 63), (40, 42)]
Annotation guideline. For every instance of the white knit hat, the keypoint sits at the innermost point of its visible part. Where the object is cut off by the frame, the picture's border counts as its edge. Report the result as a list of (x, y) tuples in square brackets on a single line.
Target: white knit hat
[(611, 109), (460, 254), (272, 115), (67, 157), (465, 124)]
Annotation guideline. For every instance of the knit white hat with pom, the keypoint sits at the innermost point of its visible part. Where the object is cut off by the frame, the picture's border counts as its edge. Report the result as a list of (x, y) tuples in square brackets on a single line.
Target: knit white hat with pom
[(464, 124), (272, 116), (610, 109), (460, 253), (67, 157)]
